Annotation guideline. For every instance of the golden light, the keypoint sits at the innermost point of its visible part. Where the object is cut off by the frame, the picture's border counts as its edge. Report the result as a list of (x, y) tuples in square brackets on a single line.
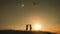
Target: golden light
[(37, 27)]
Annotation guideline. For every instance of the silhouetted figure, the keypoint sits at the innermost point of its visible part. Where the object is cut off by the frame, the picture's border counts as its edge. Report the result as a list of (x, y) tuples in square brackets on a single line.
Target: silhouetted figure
[(30, 27), (26, 27)]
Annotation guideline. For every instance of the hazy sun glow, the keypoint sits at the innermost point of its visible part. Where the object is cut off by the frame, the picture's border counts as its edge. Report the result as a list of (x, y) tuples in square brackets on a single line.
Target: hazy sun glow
[(37, 27)]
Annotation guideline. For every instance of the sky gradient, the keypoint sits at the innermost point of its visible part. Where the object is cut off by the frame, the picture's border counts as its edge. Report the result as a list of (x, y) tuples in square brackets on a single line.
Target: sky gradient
[(44, 12)]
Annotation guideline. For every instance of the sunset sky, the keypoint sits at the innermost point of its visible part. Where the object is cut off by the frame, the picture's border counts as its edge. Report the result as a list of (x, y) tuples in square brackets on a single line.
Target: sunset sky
[(15, 16)]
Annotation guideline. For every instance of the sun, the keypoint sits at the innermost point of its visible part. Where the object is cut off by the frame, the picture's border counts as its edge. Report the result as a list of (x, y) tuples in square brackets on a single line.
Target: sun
[(37, 27)]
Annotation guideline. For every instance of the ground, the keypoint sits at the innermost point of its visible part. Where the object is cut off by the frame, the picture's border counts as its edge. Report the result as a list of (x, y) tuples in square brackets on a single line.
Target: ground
[(23, 32)]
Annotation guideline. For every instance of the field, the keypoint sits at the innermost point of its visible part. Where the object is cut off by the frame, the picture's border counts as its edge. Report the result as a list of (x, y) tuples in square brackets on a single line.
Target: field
[(23, 32)]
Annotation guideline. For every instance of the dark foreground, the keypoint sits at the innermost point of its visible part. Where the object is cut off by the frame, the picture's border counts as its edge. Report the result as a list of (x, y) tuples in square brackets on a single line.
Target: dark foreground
[(23, 32)]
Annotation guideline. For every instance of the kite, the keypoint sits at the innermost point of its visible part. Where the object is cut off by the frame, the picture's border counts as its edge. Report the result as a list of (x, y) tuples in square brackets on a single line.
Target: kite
[(34, 2), (22, 5)]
